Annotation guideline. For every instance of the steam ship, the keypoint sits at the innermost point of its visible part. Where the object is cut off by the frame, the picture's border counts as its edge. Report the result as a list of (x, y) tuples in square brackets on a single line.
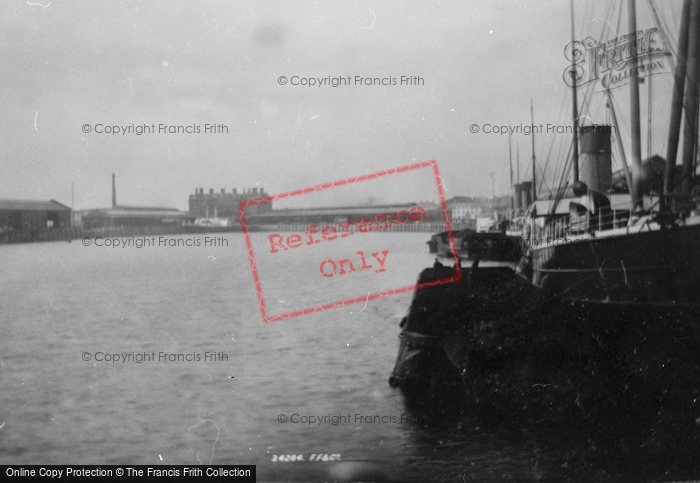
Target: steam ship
[(610, 261), (635, 241)]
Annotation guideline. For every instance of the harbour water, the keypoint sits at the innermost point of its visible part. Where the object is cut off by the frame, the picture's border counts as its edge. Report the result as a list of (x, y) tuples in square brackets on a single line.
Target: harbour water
[(67, 308)]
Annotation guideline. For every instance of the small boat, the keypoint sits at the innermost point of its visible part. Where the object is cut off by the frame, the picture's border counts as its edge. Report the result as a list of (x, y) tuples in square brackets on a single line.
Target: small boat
[(212, 225), (489, 246)]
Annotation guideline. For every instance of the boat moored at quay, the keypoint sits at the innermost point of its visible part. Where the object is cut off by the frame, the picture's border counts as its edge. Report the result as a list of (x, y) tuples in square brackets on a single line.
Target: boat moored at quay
[(598, 326), (494, 247), (591, 242)]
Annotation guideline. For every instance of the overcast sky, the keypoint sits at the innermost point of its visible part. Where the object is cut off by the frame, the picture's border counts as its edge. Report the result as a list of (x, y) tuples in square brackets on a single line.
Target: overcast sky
[(191, 63)]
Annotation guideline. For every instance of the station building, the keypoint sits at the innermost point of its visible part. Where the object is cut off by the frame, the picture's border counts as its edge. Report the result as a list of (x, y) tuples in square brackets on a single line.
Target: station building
[(225, 205), (134, 216)]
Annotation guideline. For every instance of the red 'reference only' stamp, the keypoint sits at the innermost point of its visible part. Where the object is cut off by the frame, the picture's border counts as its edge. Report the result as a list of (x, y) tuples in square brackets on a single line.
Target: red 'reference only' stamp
[(324, 236)]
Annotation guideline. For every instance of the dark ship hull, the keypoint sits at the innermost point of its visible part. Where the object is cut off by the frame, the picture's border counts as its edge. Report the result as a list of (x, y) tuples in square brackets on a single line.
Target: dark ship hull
[(649, 267), (494, 339), (592, 245), (441, 326)]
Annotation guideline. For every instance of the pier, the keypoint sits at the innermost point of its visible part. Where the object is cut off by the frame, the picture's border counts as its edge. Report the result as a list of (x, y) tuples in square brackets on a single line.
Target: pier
[(419, 227)]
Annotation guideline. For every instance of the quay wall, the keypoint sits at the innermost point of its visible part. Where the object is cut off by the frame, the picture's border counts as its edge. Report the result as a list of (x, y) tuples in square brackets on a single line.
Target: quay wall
[(67, 234), (429, 227)]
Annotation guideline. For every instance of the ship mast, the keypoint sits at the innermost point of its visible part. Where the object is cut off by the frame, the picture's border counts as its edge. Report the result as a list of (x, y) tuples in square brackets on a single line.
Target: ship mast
[(534, 159), (510, 164), (623, 157), (674, 129), (691, 100), (635, 128), (573, 94)]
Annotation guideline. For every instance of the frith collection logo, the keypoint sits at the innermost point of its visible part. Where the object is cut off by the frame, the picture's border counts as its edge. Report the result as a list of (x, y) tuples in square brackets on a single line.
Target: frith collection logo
[(609, 63)]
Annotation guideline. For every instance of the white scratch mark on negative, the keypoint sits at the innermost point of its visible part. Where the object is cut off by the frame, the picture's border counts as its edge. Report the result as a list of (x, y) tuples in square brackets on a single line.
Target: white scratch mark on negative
[(375, 18), (443, 183), (35, 116), (314, 117), (40, 5), (161, 458), (215, 441), (622, 262), (363, 308), (130, 80), (3, 425)]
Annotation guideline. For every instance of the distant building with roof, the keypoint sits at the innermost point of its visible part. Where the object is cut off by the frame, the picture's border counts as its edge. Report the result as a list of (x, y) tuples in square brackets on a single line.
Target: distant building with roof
[(225, 204), (133, 216), (465, 211), (33, 216)]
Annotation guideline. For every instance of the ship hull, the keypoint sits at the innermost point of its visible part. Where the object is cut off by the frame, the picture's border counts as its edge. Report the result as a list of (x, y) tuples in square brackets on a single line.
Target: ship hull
[(438, 331), (652, 266), (493, 335)]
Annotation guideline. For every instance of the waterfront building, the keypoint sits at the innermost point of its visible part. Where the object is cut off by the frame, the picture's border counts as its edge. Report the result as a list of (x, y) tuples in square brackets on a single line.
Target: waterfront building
[(135, 216), (225, 204), (33, 216)]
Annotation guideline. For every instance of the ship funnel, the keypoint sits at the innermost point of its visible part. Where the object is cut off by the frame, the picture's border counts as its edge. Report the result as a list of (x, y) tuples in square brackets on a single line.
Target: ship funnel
[(526, 194), (595, 161), (517, 194)]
